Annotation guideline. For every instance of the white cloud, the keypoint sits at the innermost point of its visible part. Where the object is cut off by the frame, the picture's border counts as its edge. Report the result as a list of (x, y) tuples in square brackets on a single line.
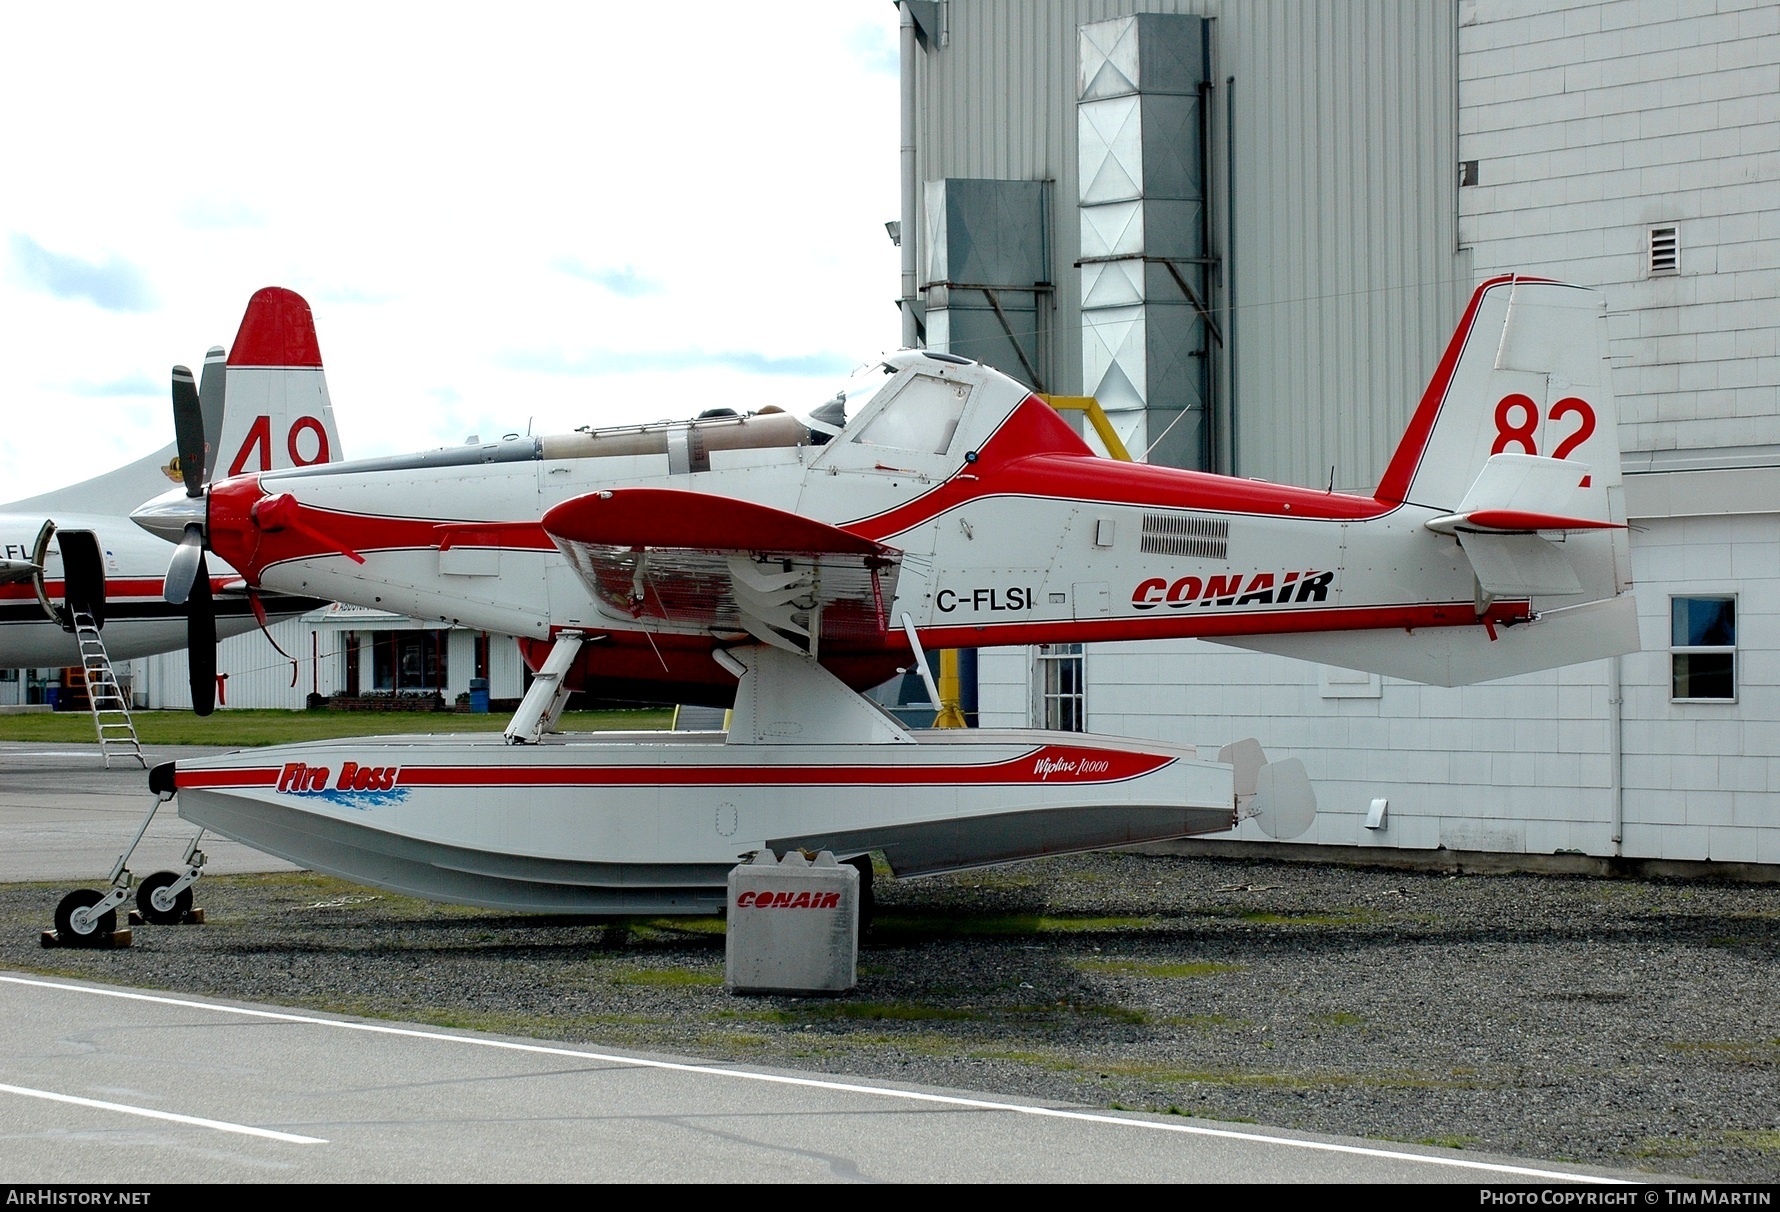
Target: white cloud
[(425, 183)]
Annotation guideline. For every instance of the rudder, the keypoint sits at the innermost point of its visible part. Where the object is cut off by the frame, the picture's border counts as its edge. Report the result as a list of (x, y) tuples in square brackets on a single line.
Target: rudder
[(1525, 373), (277, 412)]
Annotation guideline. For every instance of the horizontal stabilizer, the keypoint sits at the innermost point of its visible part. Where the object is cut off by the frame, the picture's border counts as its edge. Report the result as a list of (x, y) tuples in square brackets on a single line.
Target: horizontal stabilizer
[(696, 521), (1529, 482), (1518, 494), (1460, 656), (1518, 565)]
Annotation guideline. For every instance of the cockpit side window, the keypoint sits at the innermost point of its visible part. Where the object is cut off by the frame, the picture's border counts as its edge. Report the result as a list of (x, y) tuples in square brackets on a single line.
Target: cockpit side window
[(923, 416), (829, 418)]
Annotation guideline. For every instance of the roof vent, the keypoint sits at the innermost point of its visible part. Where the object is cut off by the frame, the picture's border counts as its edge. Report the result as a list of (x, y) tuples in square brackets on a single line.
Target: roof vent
[(1665, 251)]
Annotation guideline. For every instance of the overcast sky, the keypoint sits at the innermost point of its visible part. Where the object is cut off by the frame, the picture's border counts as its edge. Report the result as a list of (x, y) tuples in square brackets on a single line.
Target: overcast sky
[(561, 214)]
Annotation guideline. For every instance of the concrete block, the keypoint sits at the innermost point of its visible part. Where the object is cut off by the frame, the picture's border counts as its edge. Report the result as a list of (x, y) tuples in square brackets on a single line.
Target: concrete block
[(793, 926)]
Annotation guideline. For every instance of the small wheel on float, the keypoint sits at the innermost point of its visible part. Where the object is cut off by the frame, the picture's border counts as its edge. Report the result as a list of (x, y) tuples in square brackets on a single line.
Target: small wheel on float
[(158, 905), (78, 929)]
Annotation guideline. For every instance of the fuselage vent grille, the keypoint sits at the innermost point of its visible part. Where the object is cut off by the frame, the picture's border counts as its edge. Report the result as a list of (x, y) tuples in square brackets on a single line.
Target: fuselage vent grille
[(1186, 534)]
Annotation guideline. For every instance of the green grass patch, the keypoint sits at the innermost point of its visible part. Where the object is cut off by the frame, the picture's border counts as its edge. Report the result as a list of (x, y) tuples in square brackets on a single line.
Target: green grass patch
[(917, 1012), (1760, 1140), (902, 1012), (893, 925), (706, 926), (1162, 1074), (1160, 971), (668, 978), (1203, 1022), (250, 728), (1666, 1147), (1340, 917), (732, 1041), (1339, 1018), (1738, 1051)]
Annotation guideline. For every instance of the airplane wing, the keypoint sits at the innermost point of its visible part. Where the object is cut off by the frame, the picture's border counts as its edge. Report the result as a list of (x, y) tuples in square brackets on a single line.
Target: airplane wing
[(13, 571), (669, 558)]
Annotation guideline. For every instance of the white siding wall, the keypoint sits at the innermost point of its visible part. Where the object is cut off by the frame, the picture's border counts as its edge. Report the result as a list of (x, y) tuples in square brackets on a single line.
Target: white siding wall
[(258, 676), (1591, 122), (1703, 779)]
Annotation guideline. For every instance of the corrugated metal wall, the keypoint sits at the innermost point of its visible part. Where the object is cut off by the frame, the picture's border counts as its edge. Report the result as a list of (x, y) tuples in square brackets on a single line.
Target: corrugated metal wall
[(1346, 271)]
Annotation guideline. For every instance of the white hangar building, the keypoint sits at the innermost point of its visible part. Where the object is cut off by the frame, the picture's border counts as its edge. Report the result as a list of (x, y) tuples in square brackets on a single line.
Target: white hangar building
[(1249, 227)]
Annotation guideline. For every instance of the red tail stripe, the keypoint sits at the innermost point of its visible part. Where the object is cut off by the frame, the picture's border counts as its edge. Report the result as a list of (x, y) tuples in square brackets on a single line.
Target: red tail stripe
[(1517, 519)]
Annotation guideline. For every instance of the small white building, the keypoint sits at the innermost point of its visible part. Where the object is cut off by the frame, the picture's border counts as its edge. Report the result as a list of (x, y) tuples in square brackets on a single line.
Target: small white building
[(339, 651)]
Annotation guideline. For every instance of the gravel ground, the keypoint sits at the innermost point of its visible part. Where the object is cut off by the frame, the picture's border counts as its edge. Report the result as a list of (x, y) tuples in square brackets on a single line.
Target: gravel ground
[(1629, 1024)]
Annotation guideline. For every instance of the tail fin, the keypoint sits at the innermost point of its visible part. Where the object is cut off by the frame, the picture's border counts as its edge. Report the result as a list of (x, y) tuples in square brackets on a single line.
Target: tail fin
[(276, 412), (1526, 373), (1522, 391), (1515, 449)]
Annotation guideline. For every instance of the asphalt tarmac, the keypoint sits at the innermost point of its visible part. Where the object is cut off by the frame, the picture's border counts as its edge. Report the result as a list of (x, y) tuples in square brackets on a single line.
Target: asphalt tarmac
[(111, 1085), (120, 1086), (66, 817)]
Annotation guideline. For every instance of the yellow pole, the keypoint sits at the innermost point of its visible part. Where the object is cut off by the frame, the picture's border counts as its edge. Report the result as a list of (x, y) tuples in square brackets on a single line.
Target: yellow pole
[(1096, 417), (951, 712)]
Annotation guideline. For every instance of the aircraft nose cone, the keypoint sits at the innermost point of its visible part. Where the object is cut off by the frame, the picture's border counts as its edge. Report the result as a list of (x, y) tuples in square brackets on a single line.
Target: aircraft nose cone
[(169, 514)]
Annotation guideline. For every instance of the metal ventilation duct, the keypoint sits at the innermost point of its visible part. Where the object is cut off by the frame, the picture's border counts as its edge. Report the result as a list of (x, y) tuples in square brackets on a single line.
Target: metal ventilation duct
[(1146, 330), (988, 274)]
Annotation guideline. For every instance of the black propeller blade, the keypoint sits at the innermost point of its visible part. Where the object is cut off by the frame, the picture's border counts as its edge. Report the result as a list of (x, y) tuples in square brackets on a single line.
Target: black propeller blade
[(200, 639), (188, 431), (195, 413), (210, 395)]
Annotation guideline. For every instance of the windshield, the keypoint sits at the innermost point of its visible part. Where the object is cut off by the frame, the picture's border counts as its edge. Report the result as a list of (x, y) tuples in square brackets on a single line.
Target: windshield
[(831, 416)]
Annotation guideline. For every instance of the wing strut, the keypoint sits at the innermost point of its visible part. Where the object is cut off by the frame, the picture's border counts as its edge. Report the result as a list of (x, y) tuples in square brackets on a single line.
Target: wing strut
[(908, 627), (543, 702)]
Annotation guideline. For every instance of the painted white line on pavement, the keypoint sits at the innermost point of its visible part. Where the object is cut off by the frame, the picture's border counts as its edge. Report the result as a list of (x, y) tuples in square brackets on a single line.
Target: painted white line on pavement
[(149, 1113), (816, 1083)]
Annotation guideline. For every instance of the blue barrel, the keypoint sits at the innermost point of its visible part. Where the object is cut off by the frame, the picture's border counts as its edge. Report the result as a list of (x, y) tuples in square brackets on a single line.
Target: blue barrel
[(478, 696)]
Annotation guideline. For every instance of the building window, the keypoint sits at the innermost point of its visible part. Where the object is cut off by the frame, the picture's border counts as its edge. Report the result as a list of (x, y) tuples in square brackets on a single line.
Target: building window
[(1703, 649), (1061, 700), (408, 662), (1665, 251)]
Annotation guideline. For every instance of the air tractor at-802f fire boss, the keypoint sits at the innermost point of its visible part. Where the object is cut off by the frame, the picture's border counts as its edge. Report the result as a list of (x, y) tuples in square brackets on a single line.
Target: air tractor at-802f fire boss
[(785, 562)]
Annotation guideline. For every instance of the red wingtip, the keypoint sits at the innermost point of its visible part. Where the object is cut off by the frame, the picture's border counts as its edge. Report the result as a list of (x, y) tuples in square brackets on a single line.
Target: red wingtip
[(278, 330)]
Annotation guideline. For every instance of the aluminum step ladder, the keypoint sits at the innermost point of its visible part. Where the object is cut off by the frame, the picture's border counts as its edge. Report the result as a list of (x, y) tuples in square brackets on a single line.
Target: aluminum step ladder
[(111, 713)]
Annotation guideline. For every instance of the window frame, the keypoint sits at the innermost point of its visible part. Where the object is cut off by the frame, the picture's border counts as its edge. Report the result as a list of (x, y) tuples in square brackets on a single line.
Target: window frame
[(1047, 657), (1680, 650)]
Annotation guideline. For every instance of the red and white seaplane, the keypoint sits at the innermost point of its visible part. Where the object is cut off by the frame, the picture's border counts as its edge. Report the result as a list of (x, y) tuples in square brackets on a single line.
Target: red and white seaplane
[(784, 563)]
